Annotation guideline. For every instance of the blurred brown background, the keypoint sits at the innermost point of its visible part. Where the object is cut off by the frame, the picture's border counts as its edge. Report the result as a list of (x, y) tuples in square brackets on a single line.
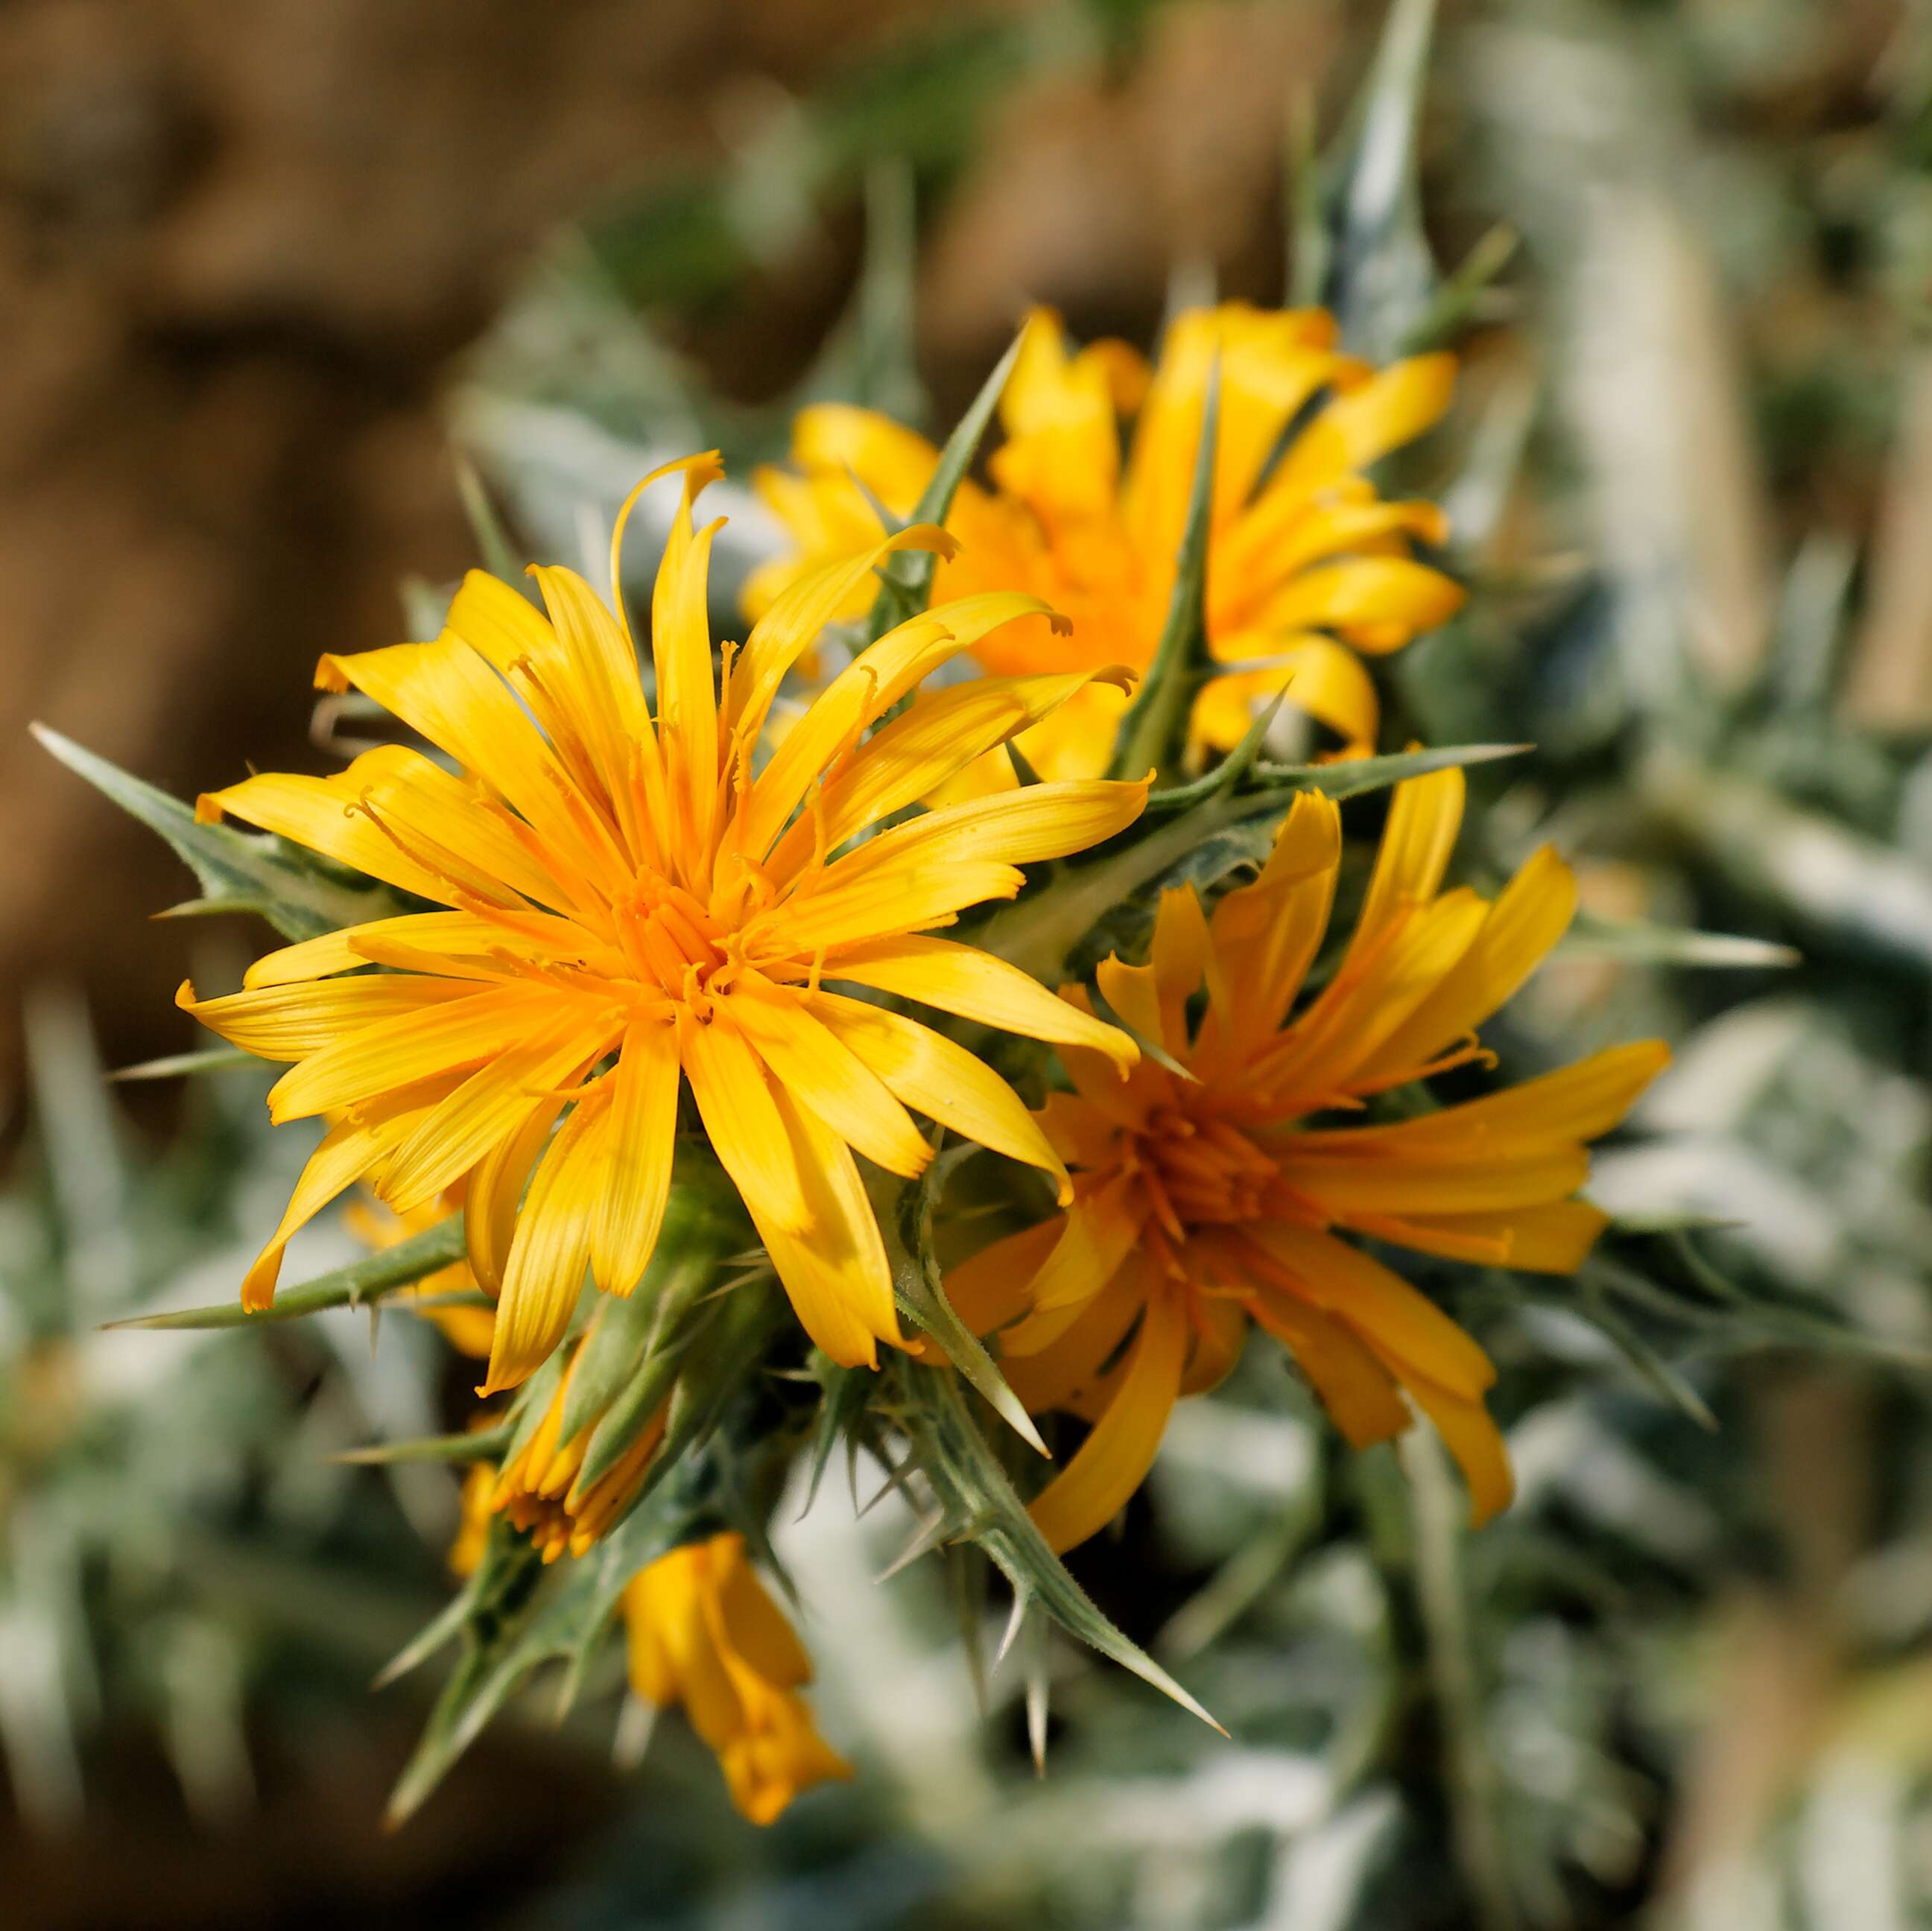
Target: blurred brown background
[(236, 262)]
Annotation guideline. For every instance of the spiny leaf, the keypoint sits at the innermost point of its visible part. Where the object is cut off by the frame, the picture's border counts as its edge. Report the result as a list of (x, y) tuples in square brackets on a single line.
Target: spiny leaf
[(966, 1476), (1340, 778), (1039, 933), (966, 1573), (1640, 942), (481, 1444), (920, 1291), (175, 1065), (869, 358), (1154, 727), (493, 540), (847, 1390), (909, 579), (1650, 1366), (1310, 244), (360, 1282), (1381, 274), (1457, 299), (252, 872)]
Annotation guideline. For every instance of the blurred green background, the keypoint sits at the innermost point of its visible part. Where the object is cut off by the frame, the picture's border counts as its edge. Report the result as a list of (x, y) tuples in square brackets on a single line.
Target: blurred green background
[(288, 297)]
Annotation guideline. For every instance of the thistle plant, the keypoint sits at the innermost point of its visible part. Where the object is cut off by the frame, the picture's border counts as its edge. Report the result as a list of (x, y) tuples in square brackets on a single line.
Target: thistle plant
[(942, 1027)]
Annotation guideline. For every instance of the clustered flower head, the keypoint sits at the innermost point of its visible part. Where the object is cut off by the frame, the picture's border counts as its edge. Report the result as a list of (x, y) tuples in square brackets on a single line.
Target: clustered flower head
[(683, 991), (1308, 567), (634, 905), (1205, 1197)]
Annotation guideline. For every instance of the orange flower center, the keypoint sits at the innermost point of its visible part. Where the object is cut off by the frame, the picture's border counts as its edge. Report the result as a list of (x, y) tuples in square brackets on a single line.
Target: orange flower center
[(672, 941), (1200, 1170)]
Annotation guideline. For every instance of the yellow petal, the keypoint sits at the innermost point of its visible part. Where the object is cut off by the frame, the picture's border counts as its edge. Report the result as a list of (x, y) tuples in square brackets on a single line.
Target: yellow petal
[(1083, 1135), (451, 695), (592, 679), (549, 1256), (919, 752), (489, 1107), (755, 1626), (780, 1755), (348, 1150), (681, 646), (850, 909), (798, 615), (739, 1106), (1270, 364), (495, 1192), (941, 1079), (1113, 1461), (1357, 1391), (412, 1046), (1473, 1439), (637, 1147), (894, 463), (835, 1273), (1392, 408), (1378, 603), (990, 1290), (496, 619), (824, 1073), (1099, 1232), (1376, 988), (1530, 914), (1220, 1331), (962, 842), (1284, 532), (1265, 935), (1071, 1369), (400, 817), (833, 722), (1424, 818), (973, 984), (465, 945), (1443, 1181), (1320, 677), (290, 1022), (1378, 1304), (1179, 954), (1574, 1104), (649, 1664), (1553, 1239)]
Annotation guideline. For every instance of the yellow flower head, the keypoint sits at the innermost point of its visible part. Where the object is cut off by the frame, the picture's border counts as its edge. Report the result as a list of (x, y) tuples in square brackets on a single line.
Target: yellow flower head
[(1203, 1202), (702, 1631), (630, 907), (1303, 552)]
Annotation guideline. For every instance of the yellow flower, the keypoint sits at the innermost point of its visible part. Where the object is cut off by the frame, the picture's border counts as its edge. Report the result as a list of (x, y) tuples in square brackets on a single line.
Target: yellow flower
[(1303, 551), (631, 908), (467, 1329), (1202, 1202), (702, 1631)]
